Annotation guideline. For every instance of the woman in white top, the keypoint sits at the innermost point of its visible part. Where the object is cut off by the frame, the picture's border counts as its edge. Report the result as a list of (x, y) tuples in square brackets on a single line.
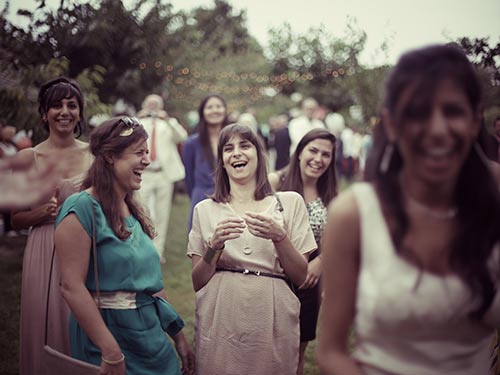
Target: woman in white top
[(411, 258)]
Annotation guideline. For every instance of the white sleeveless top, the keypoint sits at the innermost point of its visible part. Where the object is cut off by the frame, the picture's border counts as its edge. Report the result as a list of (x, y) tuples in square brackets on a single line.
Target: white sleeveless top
[(409, 321)]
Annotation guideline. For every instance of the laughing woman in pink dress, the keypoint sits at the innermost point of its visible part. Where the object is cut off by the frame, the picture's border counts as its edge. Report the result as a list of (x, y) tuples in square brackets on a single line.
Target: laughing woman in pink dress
[(247, 245), (61, 109)]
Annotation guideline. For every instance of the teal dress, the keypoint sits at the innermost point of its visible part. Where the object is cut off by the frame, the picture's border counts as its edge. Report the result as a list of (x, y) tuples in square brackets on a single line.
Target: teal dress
[(133, 266)]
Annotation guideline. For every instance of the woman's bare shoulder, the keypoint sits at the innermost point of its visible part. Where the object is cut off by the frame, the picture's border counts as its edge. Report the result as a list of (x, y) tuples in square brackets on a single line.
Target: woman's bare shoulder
[(344, 207)]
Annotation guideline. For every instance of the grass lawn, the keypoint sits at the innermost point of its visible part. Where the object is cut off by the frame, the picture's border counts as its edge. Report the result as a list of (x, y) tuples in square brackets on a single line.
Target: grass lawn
[(176, 272)]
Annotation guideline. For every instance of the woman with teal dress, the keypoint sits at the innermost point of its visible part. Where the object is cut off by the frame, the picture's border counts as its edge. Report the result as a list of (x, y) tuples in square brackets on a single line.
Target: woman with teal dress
[(128, 333)]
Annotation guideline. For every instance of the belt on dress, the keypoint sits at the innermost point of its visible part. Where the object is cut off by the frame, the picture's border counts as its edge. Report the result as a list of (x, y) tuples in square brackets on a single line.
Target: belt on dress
[(246, 271), (119, 300)]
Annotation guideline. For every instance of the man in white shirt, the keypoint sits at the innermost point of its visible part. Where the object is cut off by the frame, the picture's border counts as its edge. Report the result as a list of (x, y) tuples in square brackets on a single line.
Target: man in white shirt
[(166, 167), (299, 126)]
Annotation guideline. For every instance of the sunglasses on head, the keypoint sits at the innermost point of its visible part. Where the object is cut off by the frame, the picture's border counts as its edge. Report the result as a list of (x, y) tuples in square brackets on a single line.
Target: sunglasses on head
[(130, 124)]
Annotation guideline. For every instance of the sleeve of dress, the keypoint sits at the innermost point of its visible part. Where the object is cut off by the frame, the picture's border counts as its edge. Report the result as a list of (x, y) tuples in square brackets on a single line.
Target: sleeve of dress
[(297, 223), (196, 243), (188, 158), (81, 205), (170, 320)]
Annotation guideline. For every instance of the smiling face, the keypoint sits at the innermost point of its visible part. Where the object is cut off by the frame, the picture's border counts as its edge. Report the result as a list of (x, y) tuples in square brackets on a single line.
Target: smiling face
[(434, 139), (240, 159), (129, 166), (62, 116), (214, 111), (315, 159)]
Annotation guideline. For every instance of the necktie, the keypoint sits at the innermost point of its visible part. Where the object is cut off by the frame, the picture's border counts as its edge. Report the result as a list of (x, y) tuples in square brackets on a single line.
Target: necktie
[(153, 141)]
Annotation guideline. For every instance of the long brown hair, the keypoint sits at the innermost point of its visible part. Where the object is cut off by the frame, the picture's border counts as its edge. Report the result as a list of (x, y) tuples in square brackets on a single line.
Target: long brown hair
[(476, 193), (222, 192), (291, 179), (105, 142), (202, 128)]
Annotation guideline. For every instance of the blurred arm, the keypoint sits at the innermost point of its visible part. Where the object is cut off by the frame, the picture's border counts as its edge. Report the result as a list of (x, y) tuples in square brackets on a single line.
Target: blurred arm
[(340, 256)]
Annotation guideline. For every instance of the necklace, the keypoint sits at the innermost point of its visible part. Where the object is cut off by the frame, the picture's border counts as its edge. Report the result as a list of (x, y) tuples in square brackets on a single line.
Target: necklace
[(448, 214), (436, 214)]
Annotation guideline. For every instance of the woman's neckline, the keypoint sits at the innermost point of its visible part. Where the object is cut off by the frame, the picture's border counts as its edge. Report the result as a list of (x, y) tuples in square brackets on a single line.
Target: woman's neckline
[(267, 207), (405, 261), (128, 218)]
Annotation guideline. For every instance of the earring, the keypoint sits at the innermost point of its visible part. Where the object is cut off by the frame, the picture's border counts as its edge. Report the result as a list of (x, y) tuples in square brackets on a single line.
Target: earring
[(386, 158)]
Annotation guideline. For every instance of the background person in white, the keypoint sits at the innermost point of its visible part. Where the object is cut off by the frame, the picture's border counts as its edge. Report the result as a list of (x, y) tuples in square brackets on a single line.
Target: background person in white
[(166, 166), (299, 126)]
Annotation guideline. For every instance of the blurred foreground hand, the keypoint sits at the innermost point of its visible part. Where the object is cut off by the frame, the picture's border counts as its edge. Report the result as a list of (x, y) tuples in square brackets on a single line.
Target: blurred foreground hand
[(22, 185)]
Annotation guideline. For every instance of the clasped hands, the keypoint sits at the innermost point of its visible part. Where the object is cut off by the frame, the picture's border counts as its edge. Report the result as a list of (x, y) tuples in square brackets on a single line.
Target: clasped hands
[(259, 225)]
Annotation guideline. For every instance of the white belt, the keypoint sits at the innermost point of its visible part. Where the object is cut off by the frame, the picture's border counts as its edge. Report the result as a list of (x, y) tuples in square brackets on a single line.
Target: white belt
[(116, 300)]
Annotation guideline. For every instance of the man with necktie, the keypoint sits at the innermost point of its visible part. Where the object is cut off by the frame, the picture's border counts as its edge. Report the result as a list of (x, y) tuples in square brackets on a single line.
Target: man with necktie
[(166, 167)]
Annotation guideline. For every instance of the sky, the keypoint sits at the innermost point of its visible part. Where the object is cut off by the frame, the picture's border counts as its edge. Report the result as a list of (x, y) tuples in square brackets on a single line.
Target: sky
[(403, 24)]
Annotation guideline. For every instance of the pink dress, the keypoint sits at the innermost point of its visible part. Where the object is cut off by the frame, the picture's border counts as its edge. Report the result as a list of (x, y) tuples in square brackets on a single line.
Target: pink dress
[(35, 279), (248, 324)]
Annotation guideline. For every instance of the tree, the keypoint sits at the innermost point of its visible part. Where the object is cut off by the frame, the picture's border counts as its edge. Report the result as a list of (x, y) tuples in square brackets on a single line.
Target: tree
[(327, 68), (215, 54), (487, 60), (19, 93)]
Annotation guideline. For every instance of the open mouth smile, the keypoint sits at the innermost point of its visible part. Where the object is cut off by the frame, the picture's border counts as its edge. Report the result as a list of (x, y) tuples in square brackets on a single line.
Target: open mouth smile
[(239, 164)]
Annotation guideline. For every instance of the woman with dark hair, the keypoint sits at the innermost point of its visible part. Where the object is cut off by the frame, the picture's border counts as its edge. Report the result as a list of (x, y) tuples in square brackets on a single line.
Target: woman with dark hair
[(199, 150), (61, 110), (128, 334), (412, 257), (246, 245), (311, 173)]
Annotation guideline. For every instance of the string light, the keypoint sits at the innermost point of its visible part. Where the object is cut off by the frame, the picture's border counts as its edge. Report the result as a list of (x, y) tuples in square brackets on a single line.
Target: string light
[(255, 87)]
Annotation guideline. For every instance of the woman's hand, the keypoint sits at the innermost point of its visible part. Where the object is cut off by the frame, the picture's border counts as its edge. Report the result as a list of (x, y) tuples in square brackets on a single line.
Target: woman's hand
[(113, 356), (40, 214), (314, 269), (227, 229), (187, 356), (118, 369), (264, 226), (50, 208)]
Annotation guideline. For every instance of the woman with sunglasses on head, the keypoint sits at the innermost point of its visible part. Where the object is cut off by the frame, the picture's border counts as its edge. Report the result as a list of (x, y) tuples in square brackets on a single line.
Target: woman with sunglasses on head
[(311, 173), (129, 333), (411, 258), (200, 149), (246, 246), (60, 104)]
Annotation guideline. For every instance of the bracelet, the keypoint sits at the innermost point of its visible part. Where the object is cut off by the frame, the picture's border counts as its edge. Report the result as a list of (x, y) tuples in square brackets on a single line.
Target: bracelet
[(281, 239), (114, 362), (212, 255)]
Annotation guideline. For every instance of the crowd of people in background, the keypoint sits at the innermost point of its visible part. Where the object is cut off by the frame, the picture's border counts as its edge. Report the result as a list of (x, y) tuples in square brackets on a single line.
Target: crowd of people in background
[(408, 254)]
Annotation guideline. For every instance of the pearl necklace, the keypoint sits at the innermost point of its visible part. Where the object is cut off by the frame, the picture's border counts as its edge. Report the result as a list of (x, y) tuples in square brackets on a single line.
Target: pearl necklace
[(431, 212)]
